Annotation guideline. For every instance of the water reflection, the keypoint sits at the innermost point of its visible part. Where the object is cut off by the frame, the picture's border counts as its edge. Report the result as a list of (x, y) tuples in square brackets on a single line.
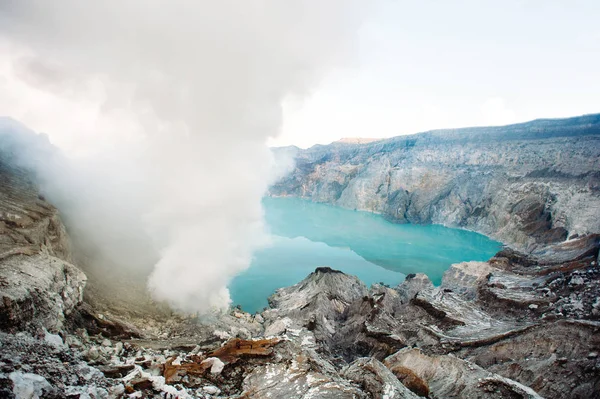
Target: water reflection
[(307, 235), (429, 249)]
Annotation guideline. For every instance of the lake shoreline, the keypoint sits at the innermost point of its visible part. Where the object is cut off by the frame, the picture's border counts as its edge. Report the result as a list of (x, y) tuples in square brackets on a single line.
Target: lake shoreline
[(308, 235)]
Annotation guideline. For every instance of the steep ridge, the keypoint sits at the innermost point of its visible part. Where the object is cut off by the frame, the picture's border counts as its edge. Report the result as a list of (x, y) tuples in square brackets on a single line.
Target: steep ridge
[(526, 185), (39, 286)]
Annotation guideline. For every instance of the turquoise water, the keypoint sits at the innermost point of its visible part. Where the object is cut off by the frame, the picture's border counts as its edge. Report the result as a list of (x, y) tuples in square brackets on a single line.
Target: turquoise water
[(306, 235)]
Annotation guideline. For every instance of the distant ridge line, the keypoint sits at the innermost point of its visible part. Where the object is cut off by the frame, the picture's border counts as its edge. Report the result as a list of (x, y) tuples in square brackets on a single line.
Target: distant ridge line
[(542, 128)]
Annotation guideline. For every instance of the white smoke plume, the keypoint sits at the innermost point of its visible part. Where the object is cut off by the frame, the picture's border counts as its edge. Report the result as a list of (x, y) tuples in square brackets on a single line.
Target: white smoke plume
[(167, 106)]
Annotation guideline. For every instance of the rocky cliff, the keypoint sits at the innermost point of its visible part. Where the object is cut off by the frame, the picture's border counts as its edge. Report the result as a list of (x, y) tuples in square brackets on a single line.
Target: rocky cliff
[(39, 286), (526, 185)]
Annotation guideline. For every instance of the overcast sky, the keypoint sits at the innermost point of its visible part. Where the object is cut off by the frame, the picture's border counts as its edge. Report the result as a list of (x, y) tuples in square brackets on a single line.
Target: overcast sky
[(418, 65), (437, 64)]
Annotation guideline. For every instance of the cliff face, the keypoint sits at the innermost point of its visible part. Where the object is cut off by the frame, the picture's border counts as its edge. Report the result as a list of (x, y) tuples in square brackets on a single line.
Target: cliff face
[(526, 185), (39, 286)]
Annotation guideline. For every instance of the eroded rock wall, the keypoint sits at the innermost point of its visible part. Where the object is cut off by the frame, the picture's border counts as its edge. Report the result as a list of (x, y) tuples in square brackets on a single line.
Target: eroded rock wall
[(39, 286)]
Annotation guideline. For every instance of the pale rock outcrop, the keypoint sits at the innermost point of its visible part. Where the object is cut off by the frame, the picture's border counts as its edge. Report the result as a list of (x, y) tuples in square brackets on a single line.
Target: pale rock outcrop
[(465, 277), (38, 284), (413, 284), (38, 290), (376, 379), (297, 380), (317, 303), (451, 377)]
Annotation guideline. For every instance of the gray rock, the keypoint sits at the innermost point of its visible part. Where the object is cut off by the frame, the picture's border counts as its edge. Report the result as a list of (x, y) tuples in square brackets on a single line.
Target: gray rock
[(39, 286), (451, 377), (549, 357), (412, 285), (44, 367), (93, 353), (29, 385), (40, 290), (317, 303), (376, 379), (465, 277), (297, 380), (53, 339), (211, 390)]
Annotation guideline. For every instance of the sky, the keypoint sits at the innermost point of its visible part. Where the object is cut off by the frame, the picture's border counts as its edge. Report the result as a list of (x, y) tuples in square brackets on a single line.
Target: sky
[(416, 66), (431, 64)]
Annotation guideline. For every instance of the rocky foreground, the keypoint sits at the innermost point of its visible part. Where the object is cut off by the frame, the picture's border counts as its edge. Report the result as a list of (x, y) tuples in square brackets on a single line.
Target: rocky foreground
[(522, 325), (512, 327)]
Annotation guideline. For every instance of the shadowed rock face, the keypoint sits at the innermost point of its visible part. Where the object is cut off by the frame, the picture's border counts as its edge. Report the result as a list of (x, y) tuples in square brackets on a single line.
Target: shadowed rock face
[(376, 379), (527, 185), (318, 303), (39, 286)]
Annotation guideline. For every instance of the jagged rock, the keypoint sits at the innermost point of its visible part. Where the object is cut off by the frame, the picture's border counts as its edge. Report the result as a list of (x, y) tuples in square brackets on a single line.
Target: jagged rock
[(464, 278), (464, 322), (376, 379), (297, 380), (514, 290), (549, 358), (28, 224), (318, 302), (278, 326), (339, 288), (447, 376), (585, 246), (38, 290), (451, 308), (377, 325), (38, 284), (108, 325), (413, 284)]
